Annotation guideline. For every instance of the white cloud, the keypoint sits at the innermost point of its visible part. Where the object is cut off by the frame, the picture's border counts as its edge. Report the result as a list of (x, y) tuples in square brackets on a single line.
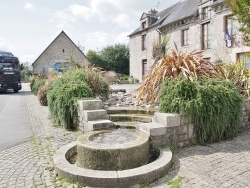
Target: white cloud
[(104, 39), (123, 20), (108, 11), (81, 11), (62, 19), (5, 46), (30, 58), (29, 6)]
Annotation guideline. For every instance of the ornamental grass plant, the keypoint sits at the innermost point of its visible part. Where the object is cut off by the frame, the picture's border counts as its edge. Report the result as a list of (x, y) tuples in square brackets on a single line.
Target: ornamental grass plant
[(170, 66)]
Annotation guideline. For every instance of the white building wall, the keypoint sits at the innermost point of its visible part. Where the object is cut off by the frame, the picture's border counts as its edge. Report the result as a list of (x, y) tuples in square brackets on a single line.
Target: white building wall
[(137, 55)]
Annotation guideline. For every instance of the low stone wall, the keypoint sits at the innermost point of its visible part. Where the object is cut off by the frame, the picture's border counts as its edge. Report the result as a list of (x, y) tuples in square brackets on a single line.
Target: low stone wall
[(169, 129), (178, 130)]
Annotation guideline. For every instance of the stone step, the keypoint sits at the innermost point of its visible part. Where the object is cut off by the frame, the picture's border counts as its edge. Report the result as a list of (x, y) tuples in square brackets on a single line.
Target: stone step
[(93, 115), (90, 104), (145, 118), (98, 124), (153, 129)]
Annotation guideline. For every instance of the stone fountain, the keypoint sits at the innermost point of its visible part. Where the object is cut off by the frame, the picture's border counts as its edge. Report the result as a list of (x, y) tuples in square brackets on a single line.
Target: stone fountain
[(108, 157)]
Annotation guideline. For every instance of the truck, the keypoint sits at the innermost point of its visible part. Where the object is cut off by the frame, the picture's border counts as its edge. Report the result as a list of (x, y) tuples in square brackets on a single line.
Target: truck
[(10, 68)]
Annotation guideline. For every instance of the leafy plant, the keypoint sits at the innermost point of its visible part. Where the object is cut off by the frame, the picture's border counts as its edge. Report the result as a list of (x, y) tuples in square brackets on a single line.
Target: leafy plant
[(37, 85), (94, 77), (42, 91), (124, 77), (160, 47), (214, 105), (34, 79), (62, 96), (239, 75), (190, 65)]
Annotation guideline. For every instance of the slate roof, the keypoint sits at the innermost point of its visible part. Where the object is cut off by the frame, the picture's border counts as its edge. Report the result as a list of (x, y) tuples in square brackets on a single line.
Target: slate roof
[(182, 10), (161, 16)]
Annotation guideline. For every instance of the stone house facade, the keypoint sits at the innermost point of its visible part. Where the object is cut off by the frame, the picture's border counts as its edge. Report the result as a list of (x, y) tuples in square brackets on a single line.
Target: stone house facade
[(201, 25), (58, 55)]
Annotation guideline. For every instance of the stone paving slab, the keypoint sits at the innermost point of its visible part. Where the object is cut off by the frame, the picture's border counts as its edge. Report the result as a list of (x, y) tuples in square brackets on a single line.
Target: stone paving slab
[(30, 165)]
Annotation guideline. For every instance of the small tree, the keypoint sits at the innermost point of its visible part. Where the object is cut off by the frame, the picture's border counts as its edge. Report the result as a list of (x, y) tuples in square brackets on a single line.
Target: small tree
[(241, 8)]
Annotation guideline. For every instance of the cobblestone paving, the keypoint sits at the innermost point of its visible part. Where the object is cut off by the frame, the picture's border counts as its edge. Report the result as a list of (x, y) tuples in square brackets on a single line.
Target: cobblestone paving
[(225, 164)]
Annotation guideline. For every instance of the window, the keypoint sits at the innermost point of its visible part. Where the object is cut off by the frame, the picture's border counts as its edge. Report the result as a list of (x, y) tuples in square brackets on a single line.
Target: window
[(231, 25), (144, 25), (60, 67), (144, 67), (245, 58), (143, 42), (185, 37), (205, 13), (206, 36)]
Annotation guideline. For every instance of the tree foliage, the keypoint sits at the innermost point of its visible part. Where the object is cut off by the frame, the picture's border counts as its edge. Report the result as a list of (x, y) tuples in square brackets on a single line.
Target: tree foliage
[(241, 8), (95, 58), (113, 57), (25, 73)]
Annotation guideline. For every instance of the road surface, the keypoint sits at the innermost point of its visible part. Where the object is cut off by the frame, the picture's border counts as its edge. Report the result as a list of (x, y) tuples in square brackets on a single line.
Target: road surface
[(15, 126)]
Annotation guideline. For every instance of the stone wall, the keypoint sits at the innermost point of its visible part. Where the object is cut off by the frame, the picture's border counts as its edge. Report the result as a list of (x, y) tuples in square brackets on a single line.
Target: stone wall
[(246, 115), (59, 51)]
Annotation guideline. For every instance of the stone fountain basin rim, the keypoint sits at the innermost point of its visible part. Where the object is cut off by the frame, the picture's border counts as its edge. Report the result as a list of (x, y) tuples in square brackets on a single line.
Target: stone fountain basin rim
[(83, 140), (89, 177)]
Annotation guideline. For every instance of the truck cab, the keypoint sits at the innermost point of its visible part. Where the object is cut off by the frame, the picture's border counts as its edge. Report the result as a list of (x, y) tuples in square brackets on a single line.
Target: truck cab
[(9, 72)]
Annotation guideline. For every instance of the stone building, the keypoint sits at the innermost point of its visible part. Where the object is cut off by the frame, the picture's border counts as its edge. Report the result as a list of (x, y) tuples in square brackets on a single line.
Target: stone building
[(58, 55), (201, 25)]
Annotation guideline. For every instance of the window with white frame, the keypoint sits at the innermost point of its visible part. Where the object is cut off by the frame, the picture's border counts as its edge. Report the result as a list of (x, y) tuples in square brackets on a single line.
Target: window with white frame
[(206, 38), (185, 39)]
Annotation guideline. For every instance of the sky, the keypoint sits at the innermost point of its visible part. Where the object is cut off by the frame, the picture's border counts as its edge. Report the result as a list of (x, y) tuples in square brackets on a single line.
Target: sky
[(29, 26)]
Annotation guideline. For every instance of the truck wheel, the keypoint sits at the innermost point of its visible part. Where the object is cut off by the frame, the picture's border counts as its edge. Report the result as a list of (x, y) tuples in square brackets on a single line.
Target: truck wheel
[(16, 91)]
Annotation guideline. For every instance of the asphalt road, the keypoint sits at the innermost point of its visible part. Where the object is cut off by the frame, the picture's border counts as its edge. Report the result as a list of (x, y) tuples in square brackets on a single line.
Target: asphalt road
[(15, 126)]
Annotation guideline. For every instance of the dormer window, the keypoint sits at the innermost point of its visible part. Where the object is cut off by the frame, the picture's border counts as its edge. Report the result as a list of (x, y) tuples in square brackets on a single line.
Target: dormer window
[(205, 13), (144, 25)]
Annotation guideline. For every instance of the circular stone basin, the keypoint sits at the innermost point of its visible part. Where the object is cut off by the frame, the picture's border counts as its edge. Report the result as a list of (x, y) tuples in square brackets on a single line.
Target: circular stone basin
[(118, 149)]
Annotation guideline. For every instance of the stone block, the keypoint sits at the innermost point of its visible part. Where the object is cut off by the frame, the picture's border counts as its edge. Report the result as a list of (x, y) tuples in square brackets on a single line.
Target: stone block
[(93, 115), (183, 138), (153, 129), (99, 124), (90, 104), (167, 119)]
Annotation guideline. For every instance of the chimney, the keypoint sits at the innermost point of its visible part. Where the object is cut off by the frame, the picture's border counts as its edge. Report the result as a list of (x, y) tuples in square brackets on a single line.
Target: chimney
[(153, 12)]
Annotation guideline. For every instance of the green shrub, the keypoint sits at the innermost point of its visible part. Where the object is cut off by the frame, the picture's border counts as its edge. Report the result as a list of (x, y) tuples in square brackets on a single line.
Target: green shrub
[(42, 95), (32, 82), (214, 105), (42, 91), (37, 85), (62, 97), (98, 84)]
